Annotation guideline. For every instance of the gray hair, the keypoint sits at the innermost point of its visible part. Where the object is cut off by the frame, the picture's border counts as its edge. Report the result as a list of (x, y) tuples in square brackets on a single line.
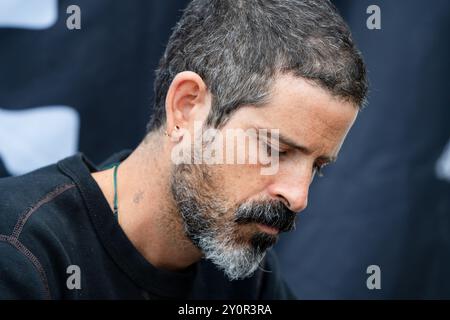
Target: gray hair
[(238, 47)]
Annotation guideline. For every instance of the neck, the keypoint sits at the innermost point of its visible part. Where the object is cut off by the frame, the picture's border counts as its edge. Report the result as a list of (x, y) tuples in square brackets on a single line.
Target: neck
[(147, 213)]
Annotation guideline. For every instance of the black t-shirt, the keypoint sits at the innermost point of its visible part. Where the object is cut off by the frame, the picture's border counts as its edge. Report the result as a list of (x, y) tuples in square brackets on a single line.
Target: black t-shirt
[(60, 240)]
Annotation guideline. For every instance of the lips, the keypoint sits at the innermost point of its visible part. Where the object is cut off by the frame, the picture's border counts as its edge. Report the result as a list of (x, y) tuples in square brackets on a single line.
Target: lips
[(271, 226), (268, 229)]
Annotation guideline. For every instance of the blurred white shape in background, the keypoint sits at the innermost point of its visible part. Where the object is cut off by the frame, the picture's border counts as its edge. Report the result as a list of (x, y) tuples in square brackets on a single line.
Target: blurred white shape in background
[(28, 14), (36, 137), (443, 164)]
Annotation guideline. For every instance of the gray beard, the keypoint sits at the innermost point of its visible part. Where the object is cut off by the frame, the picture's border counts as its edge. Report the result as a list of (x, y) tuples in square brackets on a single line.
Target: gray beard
[(237, 261), (201, 213)]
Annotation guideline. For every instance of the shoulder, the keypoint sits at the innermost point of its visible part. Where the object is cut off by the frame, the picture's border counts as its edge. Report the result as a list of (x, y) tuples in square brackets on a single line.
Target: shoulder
[(23, 196), (22, 274), (31, 225)]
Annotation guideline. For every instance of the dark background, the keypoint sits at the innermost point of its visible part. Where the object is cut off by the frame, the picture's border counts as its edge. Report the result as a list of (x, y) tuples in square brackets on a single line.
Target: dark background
[(383, 203)]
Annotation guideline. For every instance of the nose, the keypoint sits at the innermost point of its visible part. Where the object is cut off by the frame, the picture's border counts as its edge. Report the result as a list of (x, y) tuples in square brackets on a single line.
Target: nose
[(293, 192)]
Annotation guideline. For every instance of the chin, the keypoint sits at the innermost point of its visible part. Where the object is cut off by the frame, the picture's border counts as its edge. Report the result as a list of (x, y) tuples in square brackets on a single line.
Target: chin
[(262, 241)]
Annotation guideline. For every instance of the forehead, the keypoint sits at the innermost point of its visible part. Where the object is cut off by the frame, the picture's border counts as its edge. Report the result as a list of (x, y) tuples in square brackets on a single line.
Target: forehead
[(303, 111), (295, 101)]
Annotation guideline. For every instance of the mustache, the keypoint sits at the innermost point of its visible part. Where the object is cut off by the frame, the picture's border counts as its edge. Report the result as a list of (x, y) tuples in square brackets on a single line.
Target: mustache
[(272, 213)]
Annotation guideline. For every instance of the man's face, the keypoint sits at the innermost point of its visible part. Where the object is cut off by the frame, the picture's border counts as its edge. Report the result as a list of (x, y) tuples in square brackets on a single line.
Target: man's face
[(232, 212)]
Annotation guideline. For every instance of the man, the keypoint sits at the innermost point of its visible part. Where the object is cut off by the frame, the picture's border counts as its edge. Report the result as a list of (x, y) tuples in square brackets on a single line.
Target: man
[(174, 218)]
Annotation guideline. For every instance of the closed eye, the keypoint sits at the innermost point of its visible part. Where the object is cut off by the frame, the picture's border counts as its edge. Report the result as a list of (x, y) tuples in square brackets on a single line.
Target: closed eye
[(271, 150)]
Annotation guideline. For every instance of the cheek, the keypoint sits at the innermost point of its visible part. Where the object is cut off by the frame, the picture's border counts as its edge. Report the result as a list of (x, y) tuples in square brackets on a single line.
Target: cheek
[(239, 183)]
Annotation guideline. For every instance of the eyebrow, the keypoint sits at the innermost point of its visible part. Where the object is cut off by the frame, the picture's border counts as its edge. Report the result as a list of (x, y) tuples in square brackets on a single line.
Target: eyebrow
[(291, 143)]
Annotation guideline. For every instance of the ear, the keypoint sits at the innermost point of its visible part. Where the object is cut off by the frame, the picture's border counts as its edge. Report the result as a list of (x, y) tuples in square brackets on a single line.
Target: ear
[(187, 101)]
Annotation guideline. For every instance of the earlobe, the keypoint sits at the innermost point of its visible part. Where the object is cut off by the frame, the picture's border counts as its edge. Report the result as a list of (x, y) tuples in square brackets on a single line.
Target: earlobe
[(176, 134)]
